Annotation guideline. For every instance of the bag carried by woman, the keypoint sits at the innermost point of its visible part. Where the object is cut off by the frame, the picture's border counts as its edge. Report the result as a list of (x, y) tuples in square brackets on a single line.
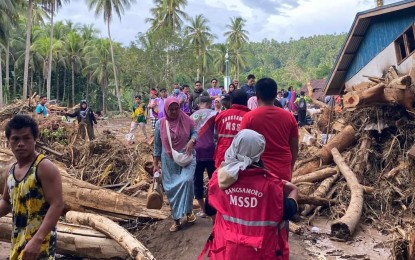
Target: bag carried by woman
[(182, 159)]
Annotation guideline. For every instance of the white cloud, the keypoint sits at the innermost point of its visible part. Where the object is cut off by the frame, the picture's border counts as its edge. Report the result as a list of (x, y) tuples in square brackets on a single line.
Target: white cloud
[(277, 19)]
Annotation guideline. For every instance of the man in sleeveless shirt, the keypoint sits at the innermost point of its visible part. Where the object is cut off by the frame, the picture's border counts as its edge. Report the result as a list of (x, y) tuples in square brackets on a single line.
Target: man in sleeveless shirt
[(33, 193)]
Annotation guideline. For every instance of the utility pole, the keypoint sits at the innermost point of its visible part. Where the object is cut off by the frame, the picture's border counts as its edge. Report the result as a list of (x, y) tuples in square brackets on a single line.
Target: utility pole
[(226, 81)]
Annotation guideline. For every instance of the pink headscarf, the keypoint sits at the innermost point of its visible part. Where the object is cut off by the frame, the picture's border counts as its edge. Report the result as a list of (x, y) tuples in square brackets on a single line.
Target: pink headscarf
[(179, 128)]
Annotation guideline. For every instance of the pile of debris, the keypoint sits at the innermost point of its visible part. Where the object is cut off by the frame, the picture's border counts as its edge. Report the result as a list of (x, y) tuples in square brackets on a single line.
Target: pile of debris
[(90, 173), (365, 172)]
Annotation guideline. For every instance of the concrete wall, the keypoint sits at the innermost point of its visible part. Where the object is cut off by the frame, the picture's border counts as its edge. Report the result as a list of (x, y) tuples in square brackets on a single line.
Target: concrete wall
[(380, 65)]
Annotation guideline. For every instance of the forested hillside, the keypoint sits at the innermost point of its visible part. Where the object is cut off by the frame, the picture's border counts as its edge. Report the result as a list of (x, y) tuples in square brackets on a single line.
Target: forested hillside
[(182, 50)]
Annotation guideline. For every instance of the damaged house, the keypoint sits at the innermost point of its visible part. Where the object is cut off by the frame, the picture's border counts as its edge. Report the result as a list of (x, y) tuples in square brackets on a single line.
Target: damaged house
[(378, 54)]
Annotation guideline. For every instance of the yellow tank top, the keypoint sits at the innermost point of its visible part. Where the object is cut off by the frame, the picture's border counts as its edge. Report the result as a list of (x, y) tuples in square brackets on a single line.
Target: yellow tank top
[(29, 208)]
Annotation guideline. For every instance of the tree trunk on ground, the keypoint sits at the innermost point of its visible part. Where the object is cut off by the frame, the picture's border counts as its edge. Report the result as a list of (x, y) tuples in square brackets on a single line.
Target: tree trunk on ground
[(344, 227), (302, 199), (73, 84), (393, 90), (341, 141), (76, 240), (49, 76), (114, 69), (360, 160), (320, 192), (82, 196), (113, 230), (371, 96), (315, 176), (411, 250), (27, 51)]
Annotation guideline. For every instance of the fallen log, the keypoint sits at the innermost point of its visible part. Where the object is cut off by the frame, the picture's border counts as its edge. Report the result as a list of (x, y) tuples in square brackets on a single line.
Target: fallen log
[(321, 192), (85, 197), (302, 199), (411, 250), (370, 96), (315, 176), (360, 160), (296, 229), (317, 210), (340, 141), (47, 149), (82, 196), (75, 240), (394, 89), (400, 83), (113, 230), (344, 227)]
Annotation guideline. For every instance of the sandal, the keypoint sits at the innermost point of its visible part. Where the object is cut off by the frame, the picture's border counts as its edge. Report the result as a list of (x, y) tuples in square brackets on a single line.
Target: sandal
[(191, 218), (175, 227)]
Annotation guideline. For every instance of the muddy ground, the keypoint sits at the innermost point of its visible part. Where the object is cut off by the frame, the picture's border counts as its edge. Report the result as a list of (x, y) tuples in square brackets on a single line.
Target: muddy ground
[(188, 242)]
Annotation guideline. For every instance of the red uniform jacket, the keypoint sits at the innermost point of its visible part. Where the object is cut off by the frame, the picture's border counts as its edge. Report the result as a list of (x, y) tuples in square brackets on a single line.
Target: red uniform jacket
[(227, 125), (249, 220)]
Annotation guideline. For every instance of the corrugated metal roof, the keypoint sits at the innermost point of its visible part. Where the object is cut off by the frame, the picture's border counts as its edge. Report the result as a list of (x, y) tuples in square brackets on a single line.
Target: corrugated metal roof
[(335, 81)]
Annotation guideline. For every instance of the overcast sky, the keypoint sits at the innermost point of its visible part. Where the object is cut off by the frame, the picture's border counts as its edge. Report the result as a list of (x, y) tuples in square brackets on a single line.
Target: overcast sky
[(272, 19)]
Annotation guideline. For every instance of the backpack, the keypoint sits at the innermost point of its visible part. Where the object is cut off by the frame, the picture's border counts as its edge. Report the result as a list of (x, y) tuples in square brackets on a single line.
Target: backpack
[(302, 104)]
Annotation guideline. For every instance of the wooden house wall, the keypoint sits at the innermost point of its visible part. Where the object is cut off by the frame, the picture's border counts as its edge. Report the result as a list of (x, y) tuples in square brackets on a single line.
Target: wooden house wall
[(382, 32)]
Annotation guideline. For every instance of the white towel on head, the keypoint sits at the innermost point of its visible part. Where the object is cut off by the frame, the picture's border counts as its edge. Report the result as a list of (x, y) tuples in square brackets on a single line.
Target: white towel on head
[(246, 149)]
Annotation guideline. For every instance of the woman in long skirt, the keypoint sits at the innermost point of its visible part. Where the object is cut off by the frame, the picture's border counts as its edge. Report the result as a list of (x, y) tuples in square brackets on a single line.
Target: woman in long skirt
[(177, 180)]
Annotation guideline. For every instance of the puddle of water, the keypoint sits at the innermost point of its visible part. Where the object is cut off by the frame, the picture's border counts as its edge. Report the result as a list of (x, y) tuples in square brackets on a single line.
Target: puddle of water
[(367, 243)]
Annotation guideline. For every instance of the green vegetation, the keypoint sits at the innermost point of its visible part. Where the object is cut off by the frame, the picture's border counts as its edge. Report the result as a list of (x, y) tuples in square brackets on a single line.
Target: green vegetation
[(178, 47)]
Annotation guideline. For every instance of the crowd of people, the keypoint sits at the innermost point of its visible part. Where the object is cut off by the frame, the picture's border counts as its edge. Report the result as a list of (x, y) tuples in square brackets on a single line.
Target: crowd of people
[(248, 153)]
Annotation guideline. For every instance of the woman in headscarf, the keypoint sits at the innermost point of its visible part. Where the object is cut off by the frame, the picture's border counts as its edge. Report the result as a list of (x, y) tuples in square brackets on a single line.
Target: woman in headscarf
[(86, 119), (177, 180), (218, 106), (251, 205)]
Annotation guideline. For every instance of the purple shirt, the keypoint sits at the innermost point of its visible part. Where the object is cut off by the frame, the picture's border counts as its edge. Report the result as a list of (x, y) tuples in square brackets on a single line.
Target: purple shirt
[(214, 92), (160, 104), (184, 106), (205, 126)]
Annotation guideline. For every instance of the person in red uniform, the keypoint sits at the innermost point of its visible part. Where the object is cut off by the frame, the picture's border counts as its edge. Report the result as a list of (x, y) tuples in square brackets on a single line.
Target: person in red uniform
[(279, 128), (228, 122), (252, 205)]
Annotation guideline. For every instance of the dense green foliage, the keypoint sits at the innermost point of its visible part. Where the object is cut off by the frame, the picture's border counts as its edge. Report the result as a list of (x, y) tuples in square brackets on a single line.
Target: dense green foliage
[(177, 48)]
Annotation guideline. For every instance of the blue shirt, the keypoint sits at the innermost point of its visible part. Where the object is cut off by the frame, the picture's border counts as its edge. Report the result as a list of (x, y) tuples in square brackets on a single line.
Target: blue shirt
[(250, 90), (41, 109)]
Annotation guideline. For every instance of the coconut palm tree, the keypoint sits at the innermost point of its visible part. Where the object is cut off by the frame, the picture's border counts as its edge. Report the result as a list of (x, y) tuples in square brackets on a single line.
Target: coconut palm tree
[(168, 14), (199, 35), (42, 47), (107, 7), (7, 15), (51, 6), (99, 65), (73, 50), (237, 36), (27, 52), (31, 17)]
